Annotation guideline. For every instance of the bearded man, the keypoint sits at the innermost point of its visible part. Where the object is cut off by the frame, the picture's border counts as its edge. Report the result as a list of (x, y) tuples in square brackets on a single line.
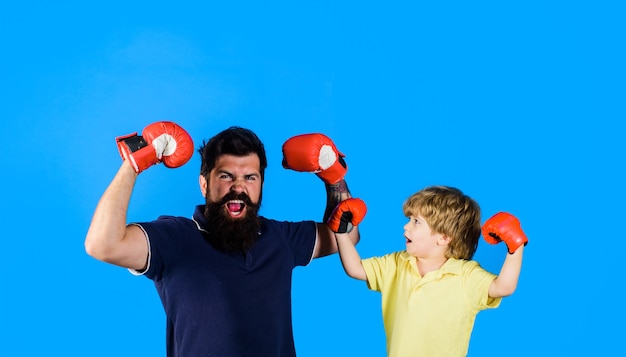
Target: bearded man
[(223, 276)]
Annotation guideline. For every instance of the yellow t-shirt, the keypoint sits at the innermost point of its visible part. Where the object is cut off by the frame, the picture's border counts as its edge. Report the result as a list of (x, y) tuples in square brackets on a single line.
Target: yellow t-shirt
[(431, 315)]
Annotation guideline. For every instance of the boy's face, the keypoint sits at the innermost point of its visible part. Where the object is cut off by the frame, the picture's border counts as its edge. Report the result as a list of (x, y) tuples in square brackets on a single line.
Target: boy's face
[(421, 241)]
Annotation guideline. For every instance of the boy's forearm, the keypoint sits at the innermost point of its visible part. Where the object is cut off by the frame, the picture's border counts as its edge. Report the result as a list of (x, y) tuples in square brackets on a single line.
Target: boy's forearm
[(506, 282), (350, 258)]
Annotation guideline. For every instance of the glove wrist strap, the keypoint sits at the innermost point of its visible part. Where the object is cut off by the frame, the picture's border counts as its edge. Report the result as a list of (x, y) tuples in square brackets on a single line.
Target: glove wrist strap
[(144, 158), (134, 143)]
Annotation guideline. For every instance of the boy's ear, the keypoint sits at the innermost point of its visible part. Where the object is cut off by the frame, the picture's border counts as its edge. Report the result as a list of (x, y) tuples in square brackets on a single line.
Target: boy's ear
[(444, 240)]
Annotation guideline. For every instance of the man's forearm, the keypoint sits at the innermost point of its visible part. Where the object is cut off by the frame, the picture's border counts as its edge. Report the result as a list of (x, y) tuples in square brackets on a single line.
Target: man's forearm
[(108, 224), (335, 193)]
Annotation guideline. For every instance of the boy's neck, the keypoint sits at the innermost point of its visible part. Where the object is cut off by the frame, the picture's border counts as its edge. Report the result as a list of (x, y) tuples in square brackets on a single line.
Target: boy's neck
[(426, 265)]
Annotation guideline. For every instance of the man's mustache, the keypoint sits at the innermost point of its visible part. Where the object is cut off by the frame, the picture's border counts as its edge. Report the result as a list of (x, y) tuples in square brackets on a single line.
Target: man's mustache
[(236, 196)]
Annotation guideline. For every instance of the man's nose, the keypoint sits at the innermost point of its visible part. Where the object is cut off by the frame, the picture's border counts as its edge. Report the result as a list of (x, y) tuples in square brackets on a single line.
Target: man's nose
[(238, 186)]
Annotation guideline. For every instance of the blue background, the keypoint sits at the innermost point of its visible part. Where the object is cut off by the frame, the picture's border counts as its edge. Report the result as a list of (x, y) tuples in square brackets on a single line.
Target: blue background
[(519, 104)]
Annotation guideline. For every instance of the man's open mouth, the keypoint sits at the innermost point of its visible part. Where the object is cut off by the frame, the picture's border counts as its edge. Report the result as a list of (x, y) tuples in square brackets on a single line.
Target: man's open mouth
[(235, 207)]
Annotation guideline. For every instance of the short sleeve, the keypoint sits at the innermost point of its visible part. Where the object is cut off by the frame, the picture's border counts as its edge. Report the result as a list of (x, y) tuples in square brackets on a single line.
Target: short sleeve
[(299, 236), (478, 281), (379, 270), (165, 236)]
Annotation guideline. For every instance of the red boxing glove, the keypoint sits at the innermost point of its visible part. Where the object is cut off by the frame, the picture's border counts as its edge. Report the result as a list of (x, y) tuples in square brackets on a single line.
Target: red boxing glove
[(504, 227), (347, 214), (162, 141), (315, 153)]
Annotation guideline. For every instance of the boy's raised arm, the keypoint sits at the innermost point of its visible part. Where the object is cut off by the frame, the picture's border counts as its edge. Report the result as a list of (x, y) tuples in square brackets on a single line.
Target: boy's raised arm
[(348, 214), (504, 227)]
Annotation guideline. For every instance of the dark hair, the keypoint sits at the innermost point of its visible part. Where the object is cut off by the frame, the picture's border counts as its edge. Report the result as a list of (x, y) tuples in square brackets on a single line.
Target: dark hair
[(233, 141)]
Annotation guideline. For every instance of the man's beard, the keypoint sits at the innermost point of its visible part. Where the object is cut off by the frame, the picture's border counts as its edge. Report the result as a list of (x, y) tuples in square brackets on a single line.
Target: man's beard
[(232, 235)]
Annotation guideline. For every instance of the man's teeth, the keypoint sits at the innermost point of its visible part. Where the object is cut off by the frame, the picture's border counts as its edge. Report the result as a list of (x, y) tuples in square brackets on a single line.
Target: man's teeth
[(235, 205)]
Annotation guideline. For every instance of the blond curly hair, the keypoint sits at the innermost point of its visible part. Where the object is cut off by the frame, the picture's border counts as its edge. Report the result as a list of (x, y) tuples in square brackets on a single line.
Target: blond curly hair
[(450, 212)]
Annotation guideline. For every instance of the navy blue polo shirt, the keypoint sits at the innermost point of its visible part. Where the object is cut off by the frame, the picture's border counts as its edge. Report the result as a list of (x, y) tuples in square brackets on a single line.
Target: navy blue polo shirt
[(219, 304)]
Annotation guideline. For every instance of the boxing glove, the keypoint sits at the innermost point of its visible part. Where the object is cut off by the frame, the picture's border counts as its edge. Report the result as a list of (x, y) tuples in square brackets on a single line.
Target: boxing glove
[(163, 141), (315, 153), (347, 214), (504, 227)]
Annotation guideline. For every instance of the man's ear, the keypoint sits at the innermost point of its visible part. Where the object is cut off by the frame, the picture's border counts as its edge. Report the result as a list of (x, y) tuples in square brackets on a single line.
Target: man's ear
[(203, 185)]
